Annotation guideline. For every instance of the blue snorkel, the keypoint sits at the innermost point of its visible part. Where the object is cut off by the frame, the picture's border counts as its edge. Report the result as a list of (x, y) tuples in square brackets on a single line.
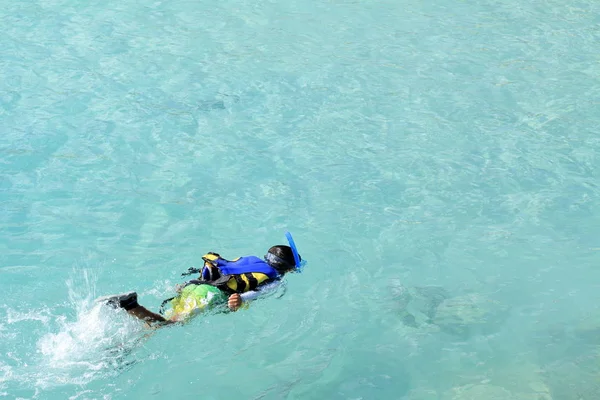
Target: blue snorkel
[(299, 264)]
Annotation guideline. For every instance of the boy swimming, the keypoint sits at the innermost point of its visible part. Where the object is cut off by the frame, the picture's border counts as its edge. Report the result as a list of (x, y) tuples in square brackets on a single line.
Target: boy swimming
[(220, 282)]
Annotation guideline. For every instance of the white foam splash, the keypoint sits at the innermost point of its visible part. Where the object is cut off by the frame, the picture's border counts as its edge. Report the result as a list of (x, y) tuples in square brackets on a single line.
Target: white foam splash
[(95, 344), (81, 342), (94, 330)]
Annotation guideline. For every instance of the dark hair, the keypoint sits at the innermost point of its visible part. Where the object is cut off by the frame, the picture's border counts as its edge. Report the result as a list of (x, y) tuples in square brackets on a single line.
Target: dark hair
[(284, 261)]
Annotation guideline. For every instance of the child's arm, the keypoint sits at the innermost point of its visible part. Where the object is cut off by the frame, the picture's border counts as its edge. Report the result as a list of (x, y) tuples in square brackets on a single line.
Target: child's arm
[(236, 300)]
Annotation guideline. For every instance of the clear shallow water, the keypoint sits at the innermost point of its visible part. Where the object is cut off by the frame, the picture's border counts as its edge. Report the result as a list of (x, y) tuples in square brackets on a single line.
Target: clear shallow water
[(404, 144)]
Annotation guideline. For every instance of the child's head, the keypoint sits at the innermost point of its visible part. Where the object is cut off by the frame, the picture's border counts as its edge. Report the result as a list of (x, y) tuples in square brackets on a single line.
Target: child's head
[(281, 258)]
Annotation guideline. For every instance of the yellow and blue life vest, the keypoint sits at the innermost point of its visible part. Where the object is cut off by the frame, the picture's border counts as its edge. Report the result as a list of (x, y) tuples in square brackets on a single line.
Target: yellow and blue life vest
[(238, 276)]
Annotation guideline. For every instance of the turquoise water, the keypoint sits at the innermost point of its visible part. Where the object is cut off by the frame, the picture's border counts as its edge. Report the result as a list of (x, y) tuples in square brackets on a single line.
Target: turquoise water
[(451, 146)]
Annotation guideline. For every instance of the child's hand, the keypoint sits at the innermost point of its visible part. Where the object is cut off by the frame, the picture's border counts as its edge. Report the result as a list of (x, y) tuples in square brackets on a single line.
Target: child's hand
[(234, 302)]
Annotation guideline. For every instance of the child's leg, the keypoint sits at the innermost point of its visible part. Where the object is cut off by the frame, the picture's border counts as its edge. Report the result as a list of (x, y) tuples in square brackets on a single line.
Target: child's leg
[(128, 302), (141, 312)]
